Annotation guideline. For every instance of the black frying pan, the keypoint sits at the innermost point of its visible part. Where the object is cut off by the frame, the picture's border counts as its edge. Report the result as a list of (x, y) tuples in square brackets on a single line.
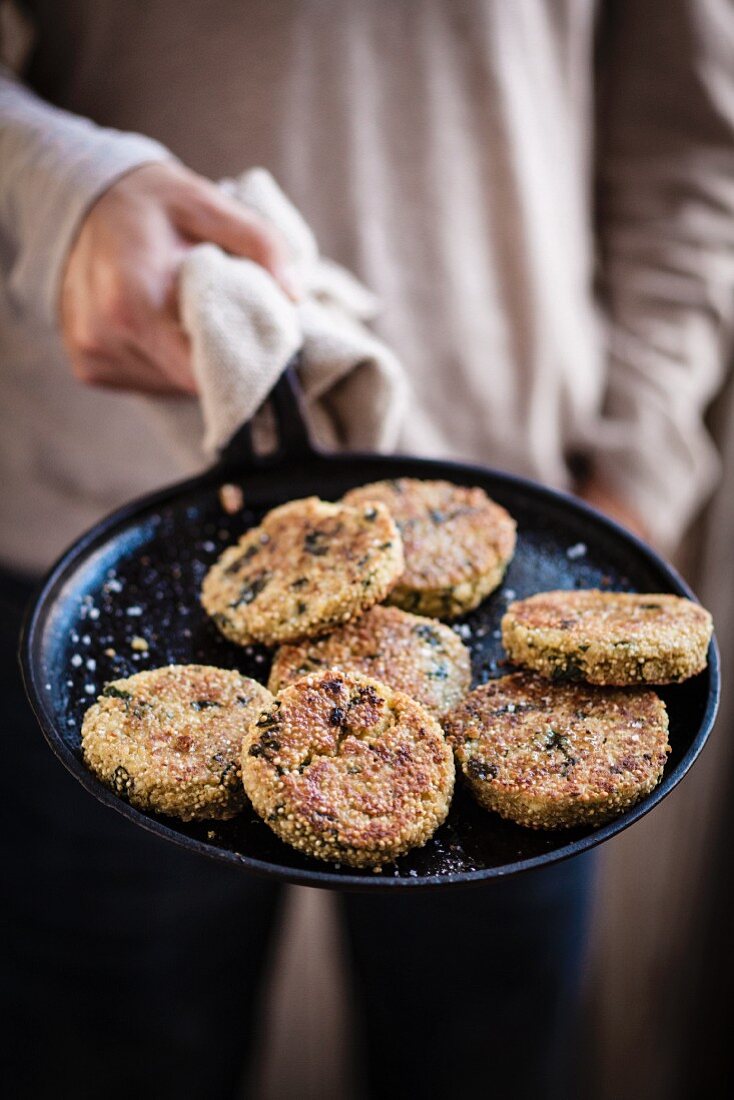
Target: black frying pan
[(138, 572)]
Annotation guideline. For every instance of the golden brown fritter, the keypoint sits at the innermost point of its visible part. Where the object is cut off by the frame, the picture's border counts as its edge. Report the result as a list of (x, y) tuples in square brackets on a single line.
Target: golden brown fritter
[(457, 543), (345, 769), (309, 566), (170, 739), (421, 657), (613, 638), (550, 756)]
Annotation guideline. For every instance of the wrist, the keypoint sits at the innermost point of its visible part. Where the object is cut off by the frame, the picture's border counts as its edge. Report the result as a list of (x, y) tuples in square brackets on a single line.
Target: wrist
[(605, 497)]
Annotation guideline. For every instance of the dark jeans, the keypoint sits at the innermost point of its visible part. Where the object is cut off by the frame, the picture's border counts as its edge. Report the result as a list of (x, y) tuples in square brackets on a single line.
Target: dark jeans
[(133, 969)]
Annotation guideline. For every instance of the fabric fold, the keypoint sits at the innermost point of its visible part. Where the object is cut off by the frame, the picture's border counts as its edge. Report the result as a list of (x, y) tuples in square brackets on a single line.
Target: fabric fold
[(244, 330)]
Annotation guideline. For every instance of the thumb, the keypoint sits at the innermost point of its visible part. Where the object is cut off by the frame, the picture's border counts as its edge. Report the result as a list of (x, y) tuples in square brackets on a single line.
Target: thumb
[(223, 221)]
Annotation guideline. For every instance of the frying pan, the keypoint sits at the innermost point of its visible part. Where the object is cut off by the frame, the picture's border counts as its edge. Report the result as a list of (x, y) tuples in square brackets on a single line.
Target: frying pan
[(138, 573)]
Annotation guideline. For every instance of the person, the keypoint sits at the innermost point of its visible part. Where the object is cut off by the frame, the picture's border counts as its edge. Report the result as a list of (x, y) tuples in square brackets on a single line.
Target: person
[(541, 197)]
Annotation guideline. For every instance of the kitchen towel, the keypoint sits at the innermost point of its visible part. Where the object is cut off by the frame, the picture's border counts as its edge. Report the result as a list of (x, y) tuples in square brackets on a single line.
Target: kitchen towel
[(244, 330)]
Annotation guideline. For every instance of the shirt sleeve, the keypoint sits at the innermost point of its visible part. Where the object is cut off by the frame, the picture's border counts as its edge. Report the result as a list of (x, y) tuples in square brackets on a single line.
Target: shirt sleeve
[(53, 165), (665, 174)]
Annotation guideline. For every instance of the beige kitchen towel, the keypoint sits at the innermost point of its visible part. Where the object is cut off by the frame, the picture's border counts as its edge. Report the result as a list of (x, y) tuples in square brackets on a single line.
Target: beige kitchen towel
[(243, 331)]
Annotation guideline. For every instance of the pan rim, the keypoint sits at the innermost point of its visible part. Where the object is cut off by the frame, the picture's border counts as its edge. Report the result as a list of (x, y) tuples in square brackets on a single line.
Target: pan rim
[(82, 548)]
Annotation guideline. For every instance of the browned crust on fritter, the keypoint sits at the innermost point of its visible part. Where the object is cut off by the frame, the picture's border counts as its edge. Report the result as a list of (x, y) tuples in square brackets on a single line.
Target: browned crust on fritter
[(308, 567), (169, 739), (345, 769), (612, 638), (550, 756), (421, 657), (457, 543)]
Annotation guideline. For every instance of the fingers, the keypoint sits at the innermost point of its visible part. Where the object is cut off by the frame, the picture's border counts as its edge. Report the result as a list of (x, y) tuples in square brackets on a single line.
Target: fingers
[(126, 371), (123, 331), (145, 351), (118, 306), (167, 347), (223, 221)]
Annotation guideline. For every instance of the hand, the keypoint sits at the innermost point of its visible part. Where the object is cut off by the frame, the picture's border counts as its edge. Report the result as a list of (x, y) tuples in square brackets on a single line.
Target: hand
[(598, 495), (119, 319)]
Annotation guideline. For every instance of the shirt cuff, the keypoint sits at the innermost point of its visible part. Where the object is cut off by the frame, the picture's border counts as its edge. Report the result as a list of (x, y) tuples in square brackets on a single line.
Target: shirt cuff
[(71, 187), (53, 167)]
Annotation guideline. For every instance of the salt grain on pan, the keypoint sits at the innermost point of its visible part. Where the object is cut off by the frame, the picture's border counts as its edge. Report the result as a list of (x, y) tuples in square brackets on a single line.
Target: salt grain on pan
[(76, 660), (135, 611), (209, 546), (576, 551), (509, 593), (89, 688), (463, 630), (86, 640), (113, 585), (91, 664)]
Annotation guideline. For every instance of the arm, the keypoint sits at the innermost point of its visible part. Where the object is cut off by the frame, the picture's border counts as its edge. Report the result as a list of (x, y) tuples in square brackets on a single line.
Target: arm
[(53, 166), (666, 235), (93, 226)]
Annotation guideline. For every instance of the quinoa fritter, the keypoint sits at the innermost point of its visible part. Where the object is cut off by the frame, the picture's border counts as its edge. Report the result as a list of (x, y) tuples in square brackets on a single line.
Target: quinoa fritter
[(613, 638), (457, 543), (308, 567), (345, 769), (421, 657), (550, 756), (170, 739)]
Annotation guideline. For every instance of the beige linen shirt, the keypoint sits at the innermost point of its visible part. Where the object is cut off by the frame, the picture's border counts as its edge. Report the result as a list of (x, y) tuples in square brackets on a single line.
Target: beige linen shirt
[(541, 192)]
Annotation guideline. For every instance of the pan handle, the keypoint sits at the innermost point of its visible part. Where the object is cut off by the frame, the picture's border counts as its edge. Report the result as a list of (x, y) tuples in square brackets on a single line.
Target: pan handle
[(293, 439)]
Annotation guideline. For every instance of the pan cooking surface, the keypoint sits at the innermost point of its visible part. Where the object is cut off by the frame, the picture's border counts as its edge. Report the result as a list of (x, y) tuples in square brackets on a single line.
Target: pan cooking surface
[(139, 576)]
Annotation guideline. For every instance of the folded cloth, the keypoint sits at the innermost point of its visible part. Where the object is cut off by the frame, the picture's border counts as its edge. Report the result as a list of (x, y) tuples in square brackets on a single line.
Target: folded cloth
[(244, 330)]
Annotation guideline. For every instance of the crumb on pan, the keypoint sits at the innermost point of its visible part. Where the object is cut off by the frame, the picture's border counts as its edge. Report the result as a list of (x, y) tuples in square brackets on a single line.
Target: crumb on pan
[(231, 498)]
